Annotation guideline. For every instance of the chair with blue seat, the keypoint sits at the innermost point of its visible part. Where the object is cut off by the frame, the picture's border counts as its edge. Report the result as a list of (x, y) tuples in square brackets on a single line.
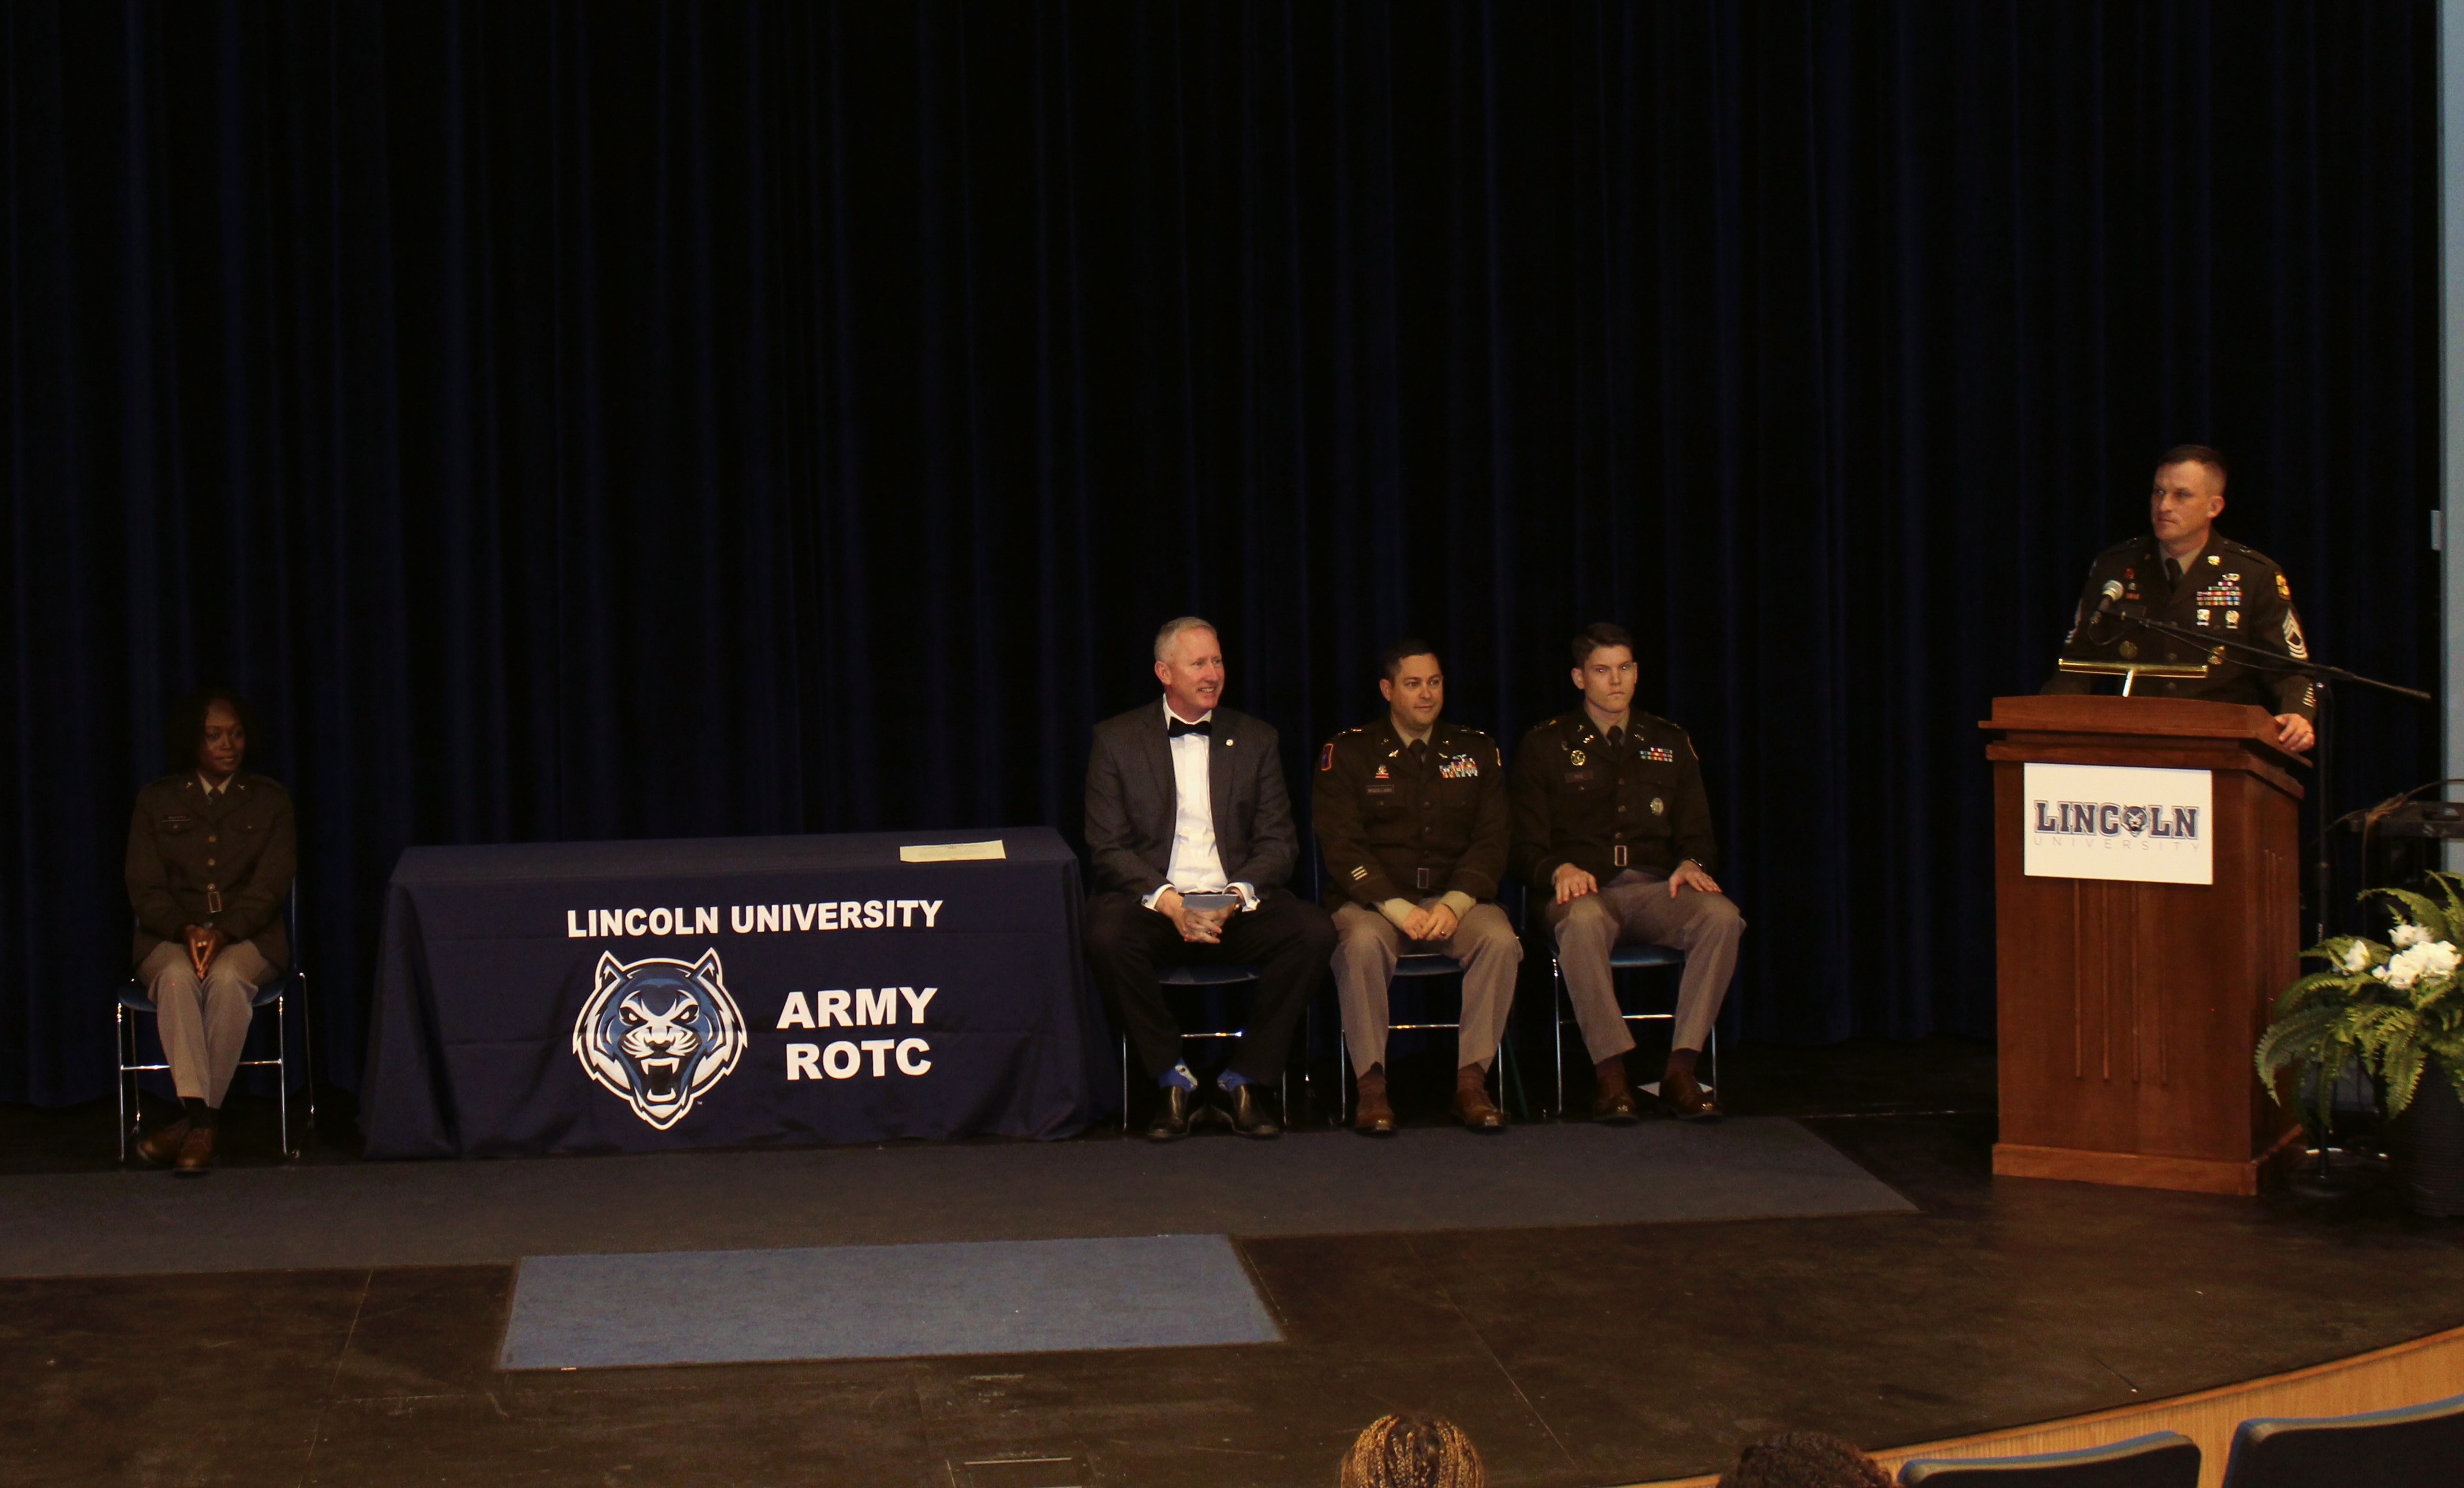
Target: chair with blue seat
[(1415, 965), (1634, 956), (2159, 1459), (2410, 1447), (132, 1006), (1203, 974)]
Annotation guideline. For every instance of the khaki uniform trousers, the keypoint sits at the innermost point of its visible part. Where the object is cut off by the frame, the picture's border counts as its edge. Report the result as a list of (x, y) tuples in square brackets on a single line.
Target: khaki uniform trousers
[(1367, 944), (1635, 906), (202, 1021)]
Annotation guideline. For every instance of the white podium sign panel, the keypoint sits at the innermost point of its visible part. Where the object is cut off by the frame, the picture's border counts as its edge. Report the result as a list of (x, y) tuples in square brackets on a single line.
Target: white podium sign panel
[(2110, 821)]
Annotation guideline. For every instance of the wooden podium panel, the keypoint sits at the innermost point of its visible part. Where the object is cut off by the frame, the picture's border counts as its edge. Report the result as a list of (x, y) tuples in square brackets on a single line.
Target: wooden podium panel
[(2129, 1010)]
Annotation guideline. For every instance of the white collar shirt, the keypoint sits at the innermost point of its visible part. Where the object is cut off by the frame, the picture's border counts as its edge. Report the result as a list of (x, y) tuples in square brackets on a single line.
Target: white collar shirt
[(1197, 867)]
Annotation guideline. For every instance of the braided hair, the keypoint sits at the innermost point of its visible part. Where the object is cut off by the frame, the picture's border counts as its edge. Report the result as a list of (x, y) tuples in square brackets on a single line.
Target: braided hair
[(1803, 1460), (1413, 1450)]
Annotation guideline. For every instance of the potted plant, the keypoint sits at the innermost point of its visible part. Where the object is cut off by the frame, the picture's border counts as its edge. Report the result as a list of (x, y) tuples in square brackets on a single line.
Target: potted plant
[(2392, 1009)]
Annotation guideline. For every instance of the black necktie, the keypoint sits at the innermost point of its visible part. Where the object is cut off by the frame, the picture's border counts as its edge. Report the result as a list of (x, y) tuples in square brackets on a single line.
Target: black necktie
[(1616, 737), (1175, 728), (2173, 571), (1419, 754)]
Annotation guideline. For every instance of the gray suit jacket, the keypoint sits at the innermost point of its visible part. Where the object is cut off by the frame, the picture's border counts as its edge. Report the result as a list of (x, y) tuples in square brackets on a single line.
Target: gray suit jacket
[(1132, 801)]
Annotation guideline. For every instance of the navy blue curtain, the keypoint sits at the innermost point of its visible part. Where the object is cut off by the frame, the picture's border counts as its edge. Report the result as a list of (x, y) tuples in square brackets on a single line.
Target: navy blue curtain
[(572, 420)]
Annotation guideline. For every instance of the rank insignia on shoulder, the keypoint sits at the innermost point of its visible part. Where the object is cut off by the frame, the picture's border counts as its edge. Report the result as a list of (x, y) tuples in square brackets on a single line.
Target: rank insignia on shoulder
[(1660, 754), (1577, 756), (1326, 757), (2284, 591)]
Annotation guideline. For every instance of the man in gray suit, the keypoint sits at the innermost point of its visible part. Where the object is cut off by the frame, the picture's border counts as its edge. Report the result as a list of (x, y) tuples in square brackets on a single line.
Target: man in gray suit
[(1186, 798)]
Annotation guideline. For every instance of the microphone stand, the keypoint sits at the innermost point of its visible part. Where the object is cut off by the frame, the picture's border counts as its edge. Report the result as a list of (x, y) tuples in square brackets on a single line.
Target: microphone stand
[(2322, 679)]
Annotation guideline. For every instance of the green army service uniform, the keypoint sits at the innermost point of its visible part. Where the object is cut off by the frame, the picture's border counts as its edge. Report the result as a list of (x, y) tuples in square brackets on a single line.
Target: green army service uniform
[(223, 860), (1630, 812), (2227, 591), (1410, 825)]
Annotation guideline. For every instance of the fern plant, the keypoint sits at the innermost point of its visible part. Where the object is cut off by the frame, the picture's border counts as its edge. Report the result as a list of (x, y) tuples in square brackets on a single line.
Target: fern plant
[(2392, 1009)]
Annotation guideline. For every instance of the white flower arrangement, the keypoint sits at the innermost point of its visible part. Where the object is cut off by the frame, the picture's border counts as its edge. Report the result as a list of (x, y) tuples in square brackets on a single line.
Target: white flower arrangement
[(2391, 1007), (2420, 961)]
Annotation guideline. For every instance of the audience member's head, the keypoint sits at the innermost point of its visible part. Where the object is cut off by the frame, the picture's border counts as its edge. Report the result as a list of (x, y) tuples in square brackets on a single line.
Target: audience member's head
[(1412, 1451), (1803, 1460)]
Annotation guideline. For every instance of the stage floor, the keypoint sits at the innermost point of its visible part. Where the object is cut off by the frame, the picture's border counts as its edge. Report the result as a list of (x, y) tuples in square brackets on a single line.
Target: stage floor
[(1575, 1353)]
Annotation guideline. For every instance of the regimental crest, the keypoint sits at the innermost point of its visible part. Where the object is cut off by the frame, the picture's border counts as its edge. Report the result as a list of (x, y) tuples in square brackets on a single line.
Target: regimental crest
[(659, 1034)]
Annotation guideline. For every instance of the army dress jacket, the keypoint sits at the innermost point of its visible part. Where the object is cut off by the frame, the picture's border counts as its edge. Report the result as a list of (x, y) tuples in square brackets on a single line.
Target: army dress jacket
[(1576, 800), (224, 863), (2233, 592), (1393, 829)]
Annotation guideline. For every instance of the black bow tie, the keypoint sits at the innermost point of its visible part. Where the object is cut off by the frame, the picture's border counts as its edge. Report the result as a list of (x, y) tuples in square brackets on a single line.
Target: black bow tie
[(1175, 728)]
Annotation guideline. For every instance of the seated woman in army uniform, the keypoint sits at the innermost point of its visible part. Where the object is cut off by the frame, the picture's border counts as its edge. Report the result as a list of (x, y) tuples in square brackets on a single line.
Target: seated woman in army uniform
[(211, 855)]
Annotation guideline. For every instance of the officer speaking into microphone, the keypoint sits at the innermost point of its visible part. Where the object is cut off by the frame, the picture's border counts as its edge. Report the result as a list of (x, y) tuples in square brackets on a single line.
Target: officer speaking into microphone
[(2187, 574)]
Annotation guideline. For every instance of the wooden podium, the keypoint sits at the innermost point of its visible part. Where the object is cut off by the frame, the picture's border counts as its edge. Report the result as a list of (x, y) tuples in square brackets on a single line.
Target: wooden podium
[(2129, 1010)]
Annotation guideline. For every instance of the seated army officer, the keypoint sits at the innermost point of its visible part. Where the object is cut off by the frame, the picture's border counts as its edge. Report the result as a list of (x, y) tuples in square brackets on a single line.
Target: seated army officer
[(1612, 825), (211, 855), (2188, 573), (1411, 816)]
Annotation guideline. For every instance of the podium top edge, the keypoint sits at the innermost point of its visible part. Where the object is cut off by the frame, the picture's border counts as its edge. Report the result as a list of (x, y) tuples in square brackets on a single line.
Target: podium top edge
[(2166, 718)]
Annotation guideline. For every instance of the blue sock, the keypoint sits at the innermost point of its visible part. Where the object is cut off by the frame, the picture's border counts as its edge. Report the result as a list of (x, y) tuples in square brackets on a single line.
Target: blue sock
[(1231, 1080), (1178, 1074)]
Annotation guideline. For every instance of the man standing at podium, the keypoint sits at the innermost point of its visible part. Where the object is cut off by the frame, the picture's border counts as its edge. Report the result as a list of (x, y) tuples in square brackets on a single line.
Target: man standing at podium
[(2186, 573)]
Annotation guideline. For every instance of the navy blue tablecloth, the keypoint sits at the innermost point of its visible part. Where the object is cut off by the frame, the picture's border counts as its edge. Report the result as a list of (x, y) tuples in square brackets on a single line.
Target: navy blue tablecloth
[(644, 996)]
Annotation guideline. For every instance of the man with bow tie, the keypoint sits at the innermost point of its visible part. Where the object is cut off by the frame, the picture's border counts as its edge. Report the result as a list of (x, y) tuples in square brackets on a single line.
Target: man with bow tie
[(1185, 798)]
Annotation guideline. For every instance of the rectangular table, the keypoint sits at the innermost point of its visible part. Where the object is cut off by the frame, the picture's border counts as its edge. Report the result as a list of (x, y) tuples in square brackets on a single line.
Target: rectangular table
[(644, 996)]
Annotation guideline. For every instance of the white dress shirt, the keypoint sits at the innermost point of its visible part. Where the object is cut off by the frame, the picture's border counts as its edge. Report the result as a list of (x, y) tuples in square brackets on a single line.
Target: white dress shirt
[(1196, 866)]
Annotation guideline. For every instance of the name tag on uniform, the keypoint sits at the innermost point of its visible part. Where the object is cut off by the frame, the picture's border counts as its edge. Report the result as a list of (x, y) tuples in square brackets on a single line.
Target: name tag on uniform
[(177, 820), (1578, 777)]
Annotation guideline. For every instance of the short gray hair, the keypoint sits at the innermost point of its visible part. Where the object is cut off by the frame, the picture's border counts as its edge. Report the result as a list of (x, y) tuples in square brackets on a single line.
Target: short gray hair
[(1171, 629)]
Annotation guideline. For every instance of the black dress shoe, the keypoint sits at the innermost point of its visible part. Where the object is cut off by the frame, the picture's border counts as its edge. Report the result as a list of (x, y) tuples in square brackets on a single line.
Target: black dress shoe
[(1171, 1121), (1247, 1113)]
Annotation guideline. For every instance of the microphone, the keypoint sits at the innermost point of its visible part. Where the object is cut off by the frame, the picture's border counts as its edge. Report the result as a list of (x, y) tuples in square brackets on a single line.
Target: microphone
[(2112, 591)]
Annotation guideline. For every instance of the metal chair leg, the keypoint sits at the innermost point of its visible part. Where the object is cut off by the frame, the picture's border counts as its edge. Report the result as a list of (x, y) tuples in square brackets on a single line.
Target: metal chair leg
[(121, 1081), (282, 1070), (1557, 1026), (307, 1057)]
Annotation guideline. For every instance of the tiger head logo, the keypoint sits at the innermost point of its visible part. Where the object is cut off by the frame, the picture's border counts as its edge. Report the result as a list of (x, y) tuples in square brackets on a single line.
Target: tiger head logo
[(659, 1034)]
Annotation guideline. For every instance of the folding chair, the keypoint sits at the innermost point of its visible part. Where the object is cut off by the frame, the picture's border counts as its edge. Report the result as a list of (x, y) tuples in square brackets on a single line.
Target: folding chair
[(132, 1005), (2159, 1459), (1622, 958), (2410, 1447), (1417, 965), (1206, 974)]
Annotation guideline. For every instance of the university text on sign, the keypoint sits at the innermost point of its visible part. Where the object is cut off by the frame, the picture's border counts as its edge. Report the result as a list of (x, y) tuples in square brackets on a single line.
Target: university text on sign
[(2121, 822)]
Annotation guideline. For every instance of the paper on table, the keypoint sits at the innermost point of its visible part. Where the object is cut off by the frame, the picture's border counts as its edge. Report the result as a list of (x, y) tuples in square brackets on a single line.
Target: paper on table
[(951, 851)]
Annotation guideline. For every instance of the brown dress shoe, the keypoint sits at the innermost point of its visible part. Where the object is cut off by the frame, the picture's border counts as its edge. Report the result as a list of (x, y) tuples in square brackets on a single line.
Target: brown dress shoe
[(1472, 1103), (1372, 1115), (196, 1153), (164, 1145), (1685, 1097), (1614, 1102)]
